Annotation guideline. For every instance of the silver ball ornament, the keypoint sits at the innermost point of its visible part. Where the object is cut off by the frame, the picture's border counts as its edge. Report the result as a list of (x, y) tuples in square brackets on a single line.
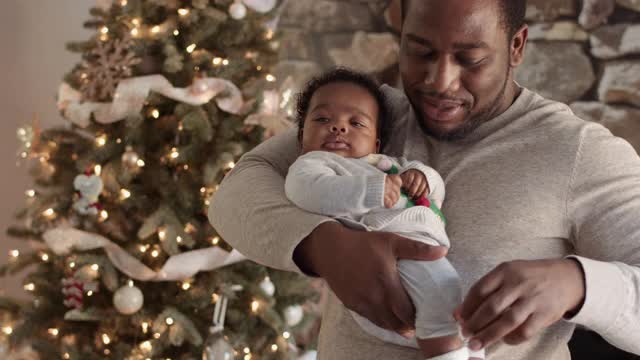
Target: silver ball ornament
[(237, 10), (128, 300)]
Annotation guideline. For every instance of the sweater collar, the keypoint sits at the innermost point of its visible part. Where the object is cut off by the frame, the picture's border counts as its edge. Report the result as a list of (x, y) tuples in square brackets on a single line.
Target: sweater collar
[(517, 109)]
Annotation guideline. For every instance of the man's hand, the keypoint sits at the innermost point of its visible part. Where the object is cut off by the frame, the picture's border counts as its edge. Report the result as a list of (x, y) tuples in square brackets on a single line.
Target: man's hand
[(361, 269), (392, 185), (415, 183), (518, 299)]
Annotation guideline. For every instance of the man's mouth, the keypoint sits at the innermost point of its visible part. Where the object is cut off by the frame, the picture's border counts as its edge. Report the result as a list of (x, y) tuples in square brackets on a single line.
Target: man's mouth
[(442, 110)]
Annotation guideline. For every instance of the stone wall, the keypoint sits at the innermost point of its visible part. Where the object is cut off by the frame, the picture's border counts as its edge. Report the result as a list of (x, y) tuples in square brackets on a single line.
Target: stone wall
[(582, 52)]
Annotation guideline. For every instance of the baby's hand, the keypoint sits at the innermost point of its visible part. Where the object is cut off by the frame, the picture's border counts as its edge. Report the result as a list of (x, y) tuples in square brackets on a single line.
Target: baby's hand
[(415, 183), (392, 185)]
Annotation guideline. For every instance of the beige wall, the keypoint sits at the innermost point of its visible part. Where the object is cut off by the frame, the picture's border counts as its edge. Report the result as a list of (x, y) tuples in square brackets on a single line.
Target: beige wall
[(33, 34)]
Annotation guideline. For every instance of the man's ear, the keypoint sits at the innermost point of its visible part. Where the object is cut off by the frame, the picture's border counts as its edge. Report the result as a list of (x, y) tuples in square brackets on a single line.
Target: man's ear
[(518, 45)]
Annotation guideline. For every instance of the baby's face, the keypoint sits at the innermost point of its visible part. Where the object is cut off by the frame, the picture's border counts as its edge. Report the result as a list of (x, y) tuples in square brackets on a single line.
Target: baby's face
[(342, 119)]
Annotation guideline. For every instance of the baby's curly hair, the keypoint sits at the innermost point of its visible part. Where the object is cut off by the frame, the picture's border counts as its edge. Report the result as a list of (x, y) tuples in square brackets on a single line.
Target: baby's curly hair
[(342, 74)]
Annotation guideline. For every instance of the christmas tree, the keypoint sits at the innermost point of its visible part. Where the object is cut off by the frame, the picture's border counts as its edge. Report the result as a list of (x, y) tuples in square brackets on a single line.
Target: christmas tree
[(166, 98)]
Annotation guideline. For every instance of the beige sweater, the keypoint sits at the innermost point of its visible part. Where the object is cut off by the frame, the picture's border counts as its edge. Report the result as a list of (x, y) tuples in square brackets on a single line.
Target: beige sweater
[(535, 182)]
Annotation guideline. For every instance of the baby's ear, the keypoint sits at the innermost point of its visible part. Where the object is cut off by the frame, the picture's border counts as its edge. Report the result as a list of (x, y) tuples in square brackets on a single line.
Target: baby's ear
[(377, 145)]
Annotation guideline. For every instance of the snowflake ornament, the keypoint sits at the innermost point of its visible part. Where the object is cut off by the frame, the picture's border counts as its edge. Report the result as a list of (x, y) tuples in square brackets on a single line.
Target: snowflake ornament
[(108, 63)]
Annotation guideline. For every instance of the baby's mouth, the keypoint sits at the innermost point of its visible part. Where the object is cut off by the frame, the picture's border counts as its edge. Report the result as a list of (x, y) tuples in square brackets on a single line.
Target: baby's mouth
[(335, 145)]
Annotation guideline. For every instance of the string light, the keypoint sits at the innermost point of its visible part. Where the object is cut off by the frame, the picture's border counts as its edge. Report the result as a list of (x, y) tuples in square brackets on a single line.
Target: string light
[(140, 163), (255, 305), (30, 287), (270, 78), (274, 347), (101, 140), (97, 169), (155, 253), (95, 267), (214, 298), (144, 248), (174, 153), (72, 265), (286, 335), (269, 34), (189, 228), (135, 32), (225, 62), (156, 335), (105, 339), (162, 233), (247, 357), (49, 213), (89, 293), (169, 321), (190, 48), (179, 239), (231, 165), (53, 331), (246, 350), (104, 30), (104, 37), (183, 12), (145, 327), (66, 356), (186, 285), (107, 351), (30, 193), (44, 257), (155, 29), (155, 113), (259, 68), (14, 253), (8, 330), (124, 194), (135, 21), (104, 215), (176, 32), (123, 3), (118, 141), (215, 240), (146, 346)]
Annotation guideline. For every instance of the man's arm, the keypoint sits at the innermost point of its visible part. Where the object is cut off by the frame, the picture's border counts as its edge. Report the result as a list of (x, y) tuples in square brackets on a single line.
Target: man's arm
[(604, 206), (250, 209)]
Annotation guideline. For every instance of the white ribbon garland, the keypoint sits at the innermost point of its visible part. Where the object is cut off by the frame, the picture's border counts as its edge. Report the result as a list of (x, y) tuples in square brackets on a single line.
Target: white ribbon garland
[(178, 267), (131, 94)]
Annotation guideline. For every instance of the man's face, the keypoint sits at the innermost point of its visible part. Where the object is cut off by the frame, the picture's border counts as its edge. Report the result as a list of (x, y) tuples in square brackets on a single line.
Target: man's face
[(455, 64)]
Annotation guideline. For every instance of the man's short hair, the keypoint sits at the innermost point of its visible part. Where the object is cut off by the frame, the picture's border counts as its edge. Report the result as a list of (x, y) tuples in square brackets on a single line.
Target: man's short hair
[(513, 13)]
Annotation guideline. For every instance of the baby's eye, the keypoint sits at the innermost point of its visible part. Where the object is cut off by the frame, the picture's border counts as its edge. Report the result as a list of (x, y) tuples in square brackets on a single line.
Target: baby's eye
[(322, 119), (357, 124)]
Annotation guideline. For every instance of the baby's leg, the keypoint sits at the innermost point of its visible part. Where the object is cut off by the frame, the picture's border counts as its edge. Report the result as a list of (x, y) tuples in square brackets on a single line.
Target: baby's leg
[(435, 289)]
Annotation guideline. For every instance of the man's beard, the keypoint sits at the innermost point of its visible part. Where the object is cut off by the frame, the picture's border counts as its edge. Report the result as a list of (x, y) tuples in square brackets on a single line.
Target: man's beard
[(469, 125)]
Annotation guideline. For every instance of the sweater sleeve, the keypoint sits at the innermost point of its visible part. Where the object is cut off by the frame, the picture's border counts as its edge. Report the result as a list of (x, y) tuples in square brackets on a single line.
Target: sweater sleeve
[(603, 207), (250, 209), (436, 184), (315, 183)]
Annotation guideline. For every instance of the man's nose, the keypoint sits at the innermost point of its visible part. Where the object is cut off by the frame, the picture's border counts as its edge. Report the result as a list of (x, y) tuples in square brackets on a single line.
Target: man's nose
[(443, 76)]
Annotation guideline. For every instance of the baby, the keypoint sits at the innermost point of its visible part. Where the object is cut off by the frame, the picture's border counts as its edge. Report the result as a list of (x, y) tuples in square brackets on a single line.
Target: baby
[(342, 119)]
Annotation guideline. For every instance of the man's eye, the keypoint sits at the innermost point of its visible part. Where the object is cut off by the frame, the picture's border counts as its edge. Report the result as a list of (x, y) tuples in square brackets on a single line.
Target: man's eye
[(357, 124), (470, 61), (321, 119)]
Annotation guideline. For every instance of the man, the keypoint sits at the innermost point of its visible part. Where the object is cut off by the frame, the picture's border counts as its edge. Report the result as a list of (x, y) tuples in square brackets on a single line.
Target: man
[(528, 184)]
